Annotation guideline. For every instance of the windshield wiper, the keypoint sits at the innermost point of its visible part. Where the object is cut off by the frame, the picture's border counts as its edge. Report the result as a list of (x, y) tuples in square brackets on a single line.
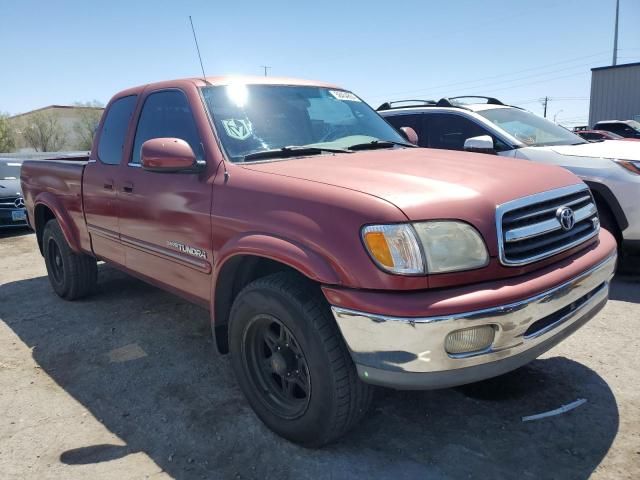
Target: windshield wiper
[(292, 151), (375, 144)]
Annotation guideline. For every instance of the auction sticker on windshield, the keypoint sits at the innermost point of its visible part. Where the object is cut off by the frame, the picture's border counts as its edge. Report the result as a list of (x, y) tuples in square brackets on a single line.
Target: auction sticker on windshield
[(342, 95), (239, 129)]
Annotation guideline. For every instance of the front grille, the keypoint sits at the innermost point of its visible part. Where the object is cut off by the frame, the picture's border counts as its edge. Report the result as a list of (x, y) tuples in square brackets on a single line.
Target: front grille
[(529, 229), (8, 202)]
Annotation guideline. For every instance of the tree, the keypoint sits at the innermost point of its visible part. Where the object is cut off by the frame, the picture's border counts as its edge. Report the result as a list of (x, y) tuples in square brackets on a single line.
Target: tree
[(42, 131), (7, 134), (85, 126)]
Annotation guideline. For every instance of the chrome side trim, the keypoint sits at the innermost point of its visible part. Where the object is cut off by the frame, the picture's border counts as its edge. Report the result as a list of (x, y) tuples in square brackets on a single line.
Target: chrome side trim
[(417, 344), (502, 209), (103, 232), (167, 254)]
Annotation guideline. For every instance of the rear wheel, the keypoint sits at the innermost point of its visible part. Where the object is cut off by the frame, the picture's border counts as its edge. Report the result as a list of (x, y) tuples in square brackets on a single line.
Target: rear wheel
[(72, 275), (291, 362)]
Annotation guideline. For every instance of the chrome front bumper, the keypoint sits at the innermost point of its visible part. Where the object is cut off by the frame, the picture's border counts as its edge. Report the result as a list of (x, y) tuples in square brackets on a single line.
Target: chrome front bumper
[(410, 352)]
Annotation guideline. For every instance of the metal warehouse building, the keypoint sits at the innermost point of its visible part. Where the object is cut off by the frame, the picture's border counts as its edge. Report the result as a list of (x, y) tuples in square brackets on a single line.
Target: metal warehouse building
[(615, 93)]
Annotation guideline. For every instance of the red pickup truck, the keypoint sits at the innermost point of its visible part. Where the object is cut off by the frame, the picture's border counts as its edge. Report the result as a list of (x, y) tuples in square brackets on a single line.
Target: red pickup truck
[(332, 253)]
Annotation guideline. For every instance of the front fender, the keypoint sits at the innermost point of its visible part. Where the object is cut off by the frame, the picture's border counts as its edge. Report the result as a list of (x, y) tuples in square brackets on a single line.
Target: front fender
[(307, 262), (296, 256)]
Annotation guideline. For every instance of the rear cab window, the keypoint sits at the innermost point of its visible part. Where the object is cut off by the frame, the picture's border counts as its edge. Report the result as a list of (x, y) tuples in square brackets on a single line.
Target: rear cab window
[(114, 130)]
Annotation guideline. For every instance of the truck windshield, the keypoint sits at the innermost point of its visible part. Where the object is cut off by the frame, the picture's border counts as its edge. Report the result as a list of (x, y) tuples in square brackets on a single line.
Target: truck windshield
[(530, 129), (9, 170), (250, 119)]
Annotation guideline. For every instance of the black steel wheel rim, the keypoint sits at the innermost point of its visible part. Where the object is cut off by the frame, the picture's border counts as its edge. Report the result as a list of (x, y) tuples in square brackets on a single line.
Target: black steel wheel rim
[(276, 366), (55, 261)]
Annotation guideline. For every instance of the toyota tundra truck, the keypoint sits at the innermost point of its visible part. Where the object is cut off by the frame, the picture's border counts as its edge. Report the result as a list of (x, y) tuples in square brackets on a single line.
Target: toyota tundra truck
[(332, 253)]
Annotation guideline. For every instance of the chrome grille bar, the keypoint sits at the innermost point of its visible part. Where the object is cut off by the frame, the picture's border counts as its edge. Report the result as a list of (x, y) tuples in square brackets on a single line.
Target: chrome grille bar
[(529, 230), (8, 202), (537, 229)]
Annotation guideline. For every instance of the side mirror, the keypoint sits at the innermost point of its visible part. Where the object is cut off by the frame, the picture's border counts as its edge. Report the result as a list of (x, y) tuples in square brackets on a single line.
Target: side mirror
[(168, 155), (481, 144), (410, 134)]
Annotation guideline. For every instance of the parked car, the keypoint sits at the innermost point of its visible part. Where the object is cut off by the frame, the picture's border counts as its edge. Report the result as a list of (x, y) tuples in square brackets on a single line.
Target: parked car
[(485, 124), (12, 211), (598, 135), (332, 254), (624, 128)]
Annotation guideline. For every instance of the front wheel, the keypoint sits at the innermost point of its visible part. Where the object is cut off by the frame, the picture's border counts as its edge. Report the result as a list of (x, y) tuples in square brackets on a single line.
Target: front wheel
[(291, 362), (72, 275)]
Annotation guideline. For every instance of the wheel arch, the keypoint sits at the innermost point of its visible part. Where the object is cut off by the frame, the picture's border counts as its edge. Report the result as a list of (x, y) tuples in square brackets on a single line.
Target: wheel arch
[(254, 257), (603, 194), (45, 211)]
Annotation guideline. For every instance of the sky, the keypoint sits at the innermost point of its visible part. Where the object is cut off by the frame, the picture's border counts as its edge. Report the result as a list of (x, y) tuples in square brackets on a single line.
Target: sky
[(66, 51)]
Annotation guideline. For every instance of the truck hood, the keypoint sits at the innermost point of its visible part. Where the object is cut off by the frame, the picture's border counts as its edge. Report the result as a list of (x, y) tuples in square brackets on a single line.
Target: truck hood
[(428, 183), (608, 149)]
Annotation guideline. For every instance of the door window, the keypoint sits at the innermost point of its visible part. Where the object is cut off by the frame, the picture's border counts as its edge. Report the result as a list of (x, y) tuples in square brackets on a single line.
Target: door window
[(414, 121), (114, 130), (450, 131), (166, 114)]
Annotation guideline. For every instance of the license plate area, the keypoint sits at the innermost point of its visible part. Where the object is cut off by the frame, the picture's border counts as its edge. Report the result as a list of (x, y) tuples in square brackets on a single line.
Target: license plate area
[(18, 215)]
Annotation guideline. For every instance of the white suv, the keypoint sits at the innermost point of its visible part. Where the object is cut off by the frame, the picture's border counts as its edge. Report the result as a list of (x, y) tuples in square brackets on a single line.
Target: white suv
[(611, 168)]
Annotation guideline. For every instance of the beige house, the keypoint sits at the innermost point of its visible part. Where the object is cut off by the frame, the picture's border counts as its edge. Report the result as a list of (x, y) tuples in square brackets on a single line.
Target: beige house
[(75, 123)]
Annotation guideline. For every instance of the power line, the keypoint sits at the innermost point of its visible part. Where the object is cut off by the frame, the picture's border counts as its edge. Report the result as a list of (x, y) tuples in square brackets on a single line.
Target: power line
[(439, 87), (538, 81)]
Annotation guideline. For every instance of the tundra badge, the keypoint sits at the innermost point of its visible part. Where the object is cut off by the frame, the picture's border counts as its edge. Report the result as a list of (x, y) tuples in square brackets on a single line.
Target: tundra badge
[(193, 251)]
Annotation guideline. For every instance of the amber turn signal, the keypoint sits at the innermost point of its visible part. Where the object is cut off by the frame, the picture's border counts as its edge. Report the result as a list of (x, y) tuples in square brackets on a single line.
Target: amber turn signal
[(377, 245)]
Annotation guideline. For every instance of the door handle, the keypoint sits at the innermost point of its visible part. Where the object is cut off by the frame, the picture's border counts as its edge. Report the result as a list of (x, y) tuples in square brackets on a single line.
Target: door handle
[(127, 187), (108, 184)]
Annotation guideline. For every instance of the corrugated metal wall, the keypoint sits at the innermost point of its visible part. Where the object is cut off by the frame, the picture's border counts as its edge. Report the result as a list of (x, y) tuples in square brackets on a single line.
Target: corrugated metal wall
[(615, 94)]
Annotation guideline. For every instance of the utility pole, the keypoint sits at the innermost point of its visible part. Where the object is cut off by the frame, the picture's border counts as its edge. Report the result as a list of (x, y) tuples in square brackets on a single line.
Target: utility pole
[(266, 67), (615, 35), (545, 102)]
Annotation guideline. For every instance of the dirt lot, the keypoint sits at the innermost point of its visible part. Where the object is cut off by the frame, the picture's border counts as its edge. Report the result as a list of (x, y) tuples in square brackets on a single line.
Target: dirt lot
[(127, 384)]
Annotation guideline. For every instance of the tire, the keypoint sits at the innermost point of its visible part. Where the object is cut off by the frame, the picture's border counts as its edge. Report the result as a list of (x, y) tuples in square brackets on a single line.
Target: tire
[(71, 275), (281, 324)]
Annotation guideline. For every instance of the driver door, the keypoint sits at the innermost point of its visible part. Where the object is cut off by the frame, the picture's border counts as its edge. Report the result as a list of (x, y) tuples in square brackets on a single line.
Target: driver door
[(165, 218)]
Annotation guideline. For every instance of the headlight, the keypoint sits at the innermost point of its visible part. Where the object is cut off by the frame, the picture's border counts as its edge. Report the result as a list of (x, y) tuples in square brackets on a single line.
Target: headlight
[(451, 246), (632, 165), (425, 247)]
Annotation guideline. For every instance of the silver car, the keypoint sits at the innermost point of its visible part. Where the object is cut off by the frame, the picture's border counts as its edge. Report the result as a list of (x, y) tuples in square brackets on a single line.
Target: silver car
[(611, 168)]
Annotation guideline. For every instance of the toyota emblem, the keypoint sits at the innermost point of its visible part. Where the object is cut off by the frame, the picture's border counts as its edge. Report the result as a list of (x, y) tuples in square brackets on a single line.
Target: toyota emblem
[(566, 217), (19, 203)]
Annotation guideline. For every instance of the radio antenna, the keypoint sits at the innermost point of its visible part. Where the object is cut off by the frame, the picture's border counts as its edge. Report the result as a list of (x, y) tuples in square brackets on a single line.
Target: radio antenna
[(195, 39)]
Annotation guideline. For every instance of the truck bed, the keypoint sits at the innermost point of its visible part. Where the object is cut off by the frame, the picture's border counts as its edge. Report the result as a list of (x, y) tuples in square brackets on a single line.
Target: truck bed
[(55, 185)]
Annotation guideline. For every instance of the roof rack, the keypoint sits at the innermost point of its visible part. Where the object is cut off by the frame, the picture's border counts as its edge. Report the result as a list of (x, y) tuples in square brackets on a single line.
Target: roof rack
[(449, 102), (490, 100), (391, 105)]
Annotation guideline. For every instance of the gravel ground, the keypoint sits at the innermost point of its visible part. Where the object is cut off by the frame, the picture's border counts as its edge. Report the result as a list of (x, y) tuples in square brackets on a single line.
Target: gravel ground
[(127, 384)]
